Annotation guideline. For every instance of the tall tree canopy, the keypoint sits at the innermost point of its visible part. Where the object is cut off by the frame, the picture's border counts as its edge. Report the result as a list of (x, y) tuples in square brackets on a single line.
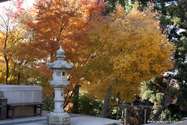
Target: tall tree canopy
[(12, 33), (126, 49), (58, 22)]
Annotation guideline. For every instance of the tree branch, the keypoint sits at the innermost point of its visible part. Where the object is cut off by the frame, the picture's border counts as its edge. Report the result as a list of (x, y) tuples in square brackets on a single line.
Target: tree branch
[(69, 98), (159, 111), (107, 96)]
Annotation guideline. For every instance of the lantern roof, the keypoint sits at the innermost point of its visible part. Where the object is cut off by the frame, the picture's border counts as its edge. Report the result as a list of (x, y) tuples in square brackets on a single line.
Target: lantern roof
[(60, 63)]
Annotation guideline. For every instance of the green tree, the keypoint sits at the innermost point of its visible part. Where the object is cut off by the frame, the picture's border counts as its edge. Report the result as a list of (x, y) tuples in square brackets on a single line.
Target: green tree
[(172, 19), (161, 91)]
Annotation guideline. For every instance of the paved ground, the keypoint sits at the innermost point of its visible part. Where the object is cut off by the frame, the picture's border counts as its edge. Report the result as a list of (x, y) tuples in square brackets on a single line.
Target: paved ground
[(183, 122), (179, 123), (76, 119), (162, 123)]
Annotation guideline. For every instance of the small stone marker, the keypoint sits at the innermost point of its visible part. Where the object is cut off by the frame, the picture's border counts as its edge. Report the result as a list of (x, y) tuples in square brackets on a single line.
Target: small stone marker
[(59, 82)]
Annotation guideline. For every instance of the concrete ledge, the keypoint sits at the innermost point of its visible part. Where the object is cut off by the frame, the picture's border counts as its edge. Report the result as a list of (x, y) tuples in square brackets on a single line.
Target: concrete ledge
[(21, 93), (19, 88)]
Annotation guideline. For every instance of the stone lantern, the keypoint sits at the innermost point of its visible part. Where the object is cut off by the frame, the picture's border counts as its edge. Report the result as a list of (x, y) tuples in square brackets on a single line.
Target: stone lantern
[(59, 82)]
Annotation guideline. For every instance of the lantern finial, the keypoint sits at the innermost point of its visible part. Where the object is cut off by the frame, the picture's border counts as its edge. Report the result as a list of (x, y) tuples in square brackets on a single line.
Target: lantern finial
[(60, 54)]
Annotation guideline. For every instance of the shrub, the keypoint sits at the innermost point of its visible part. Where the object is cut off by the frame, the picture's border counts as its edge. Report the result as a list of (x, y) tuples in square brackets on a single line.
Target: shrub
[(48, 102)]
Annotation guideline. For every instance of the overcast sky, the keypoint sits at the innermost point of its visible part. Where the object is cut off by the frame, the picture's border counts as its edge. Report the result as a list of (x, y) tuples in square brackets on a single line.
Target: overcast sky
[(26, 4)]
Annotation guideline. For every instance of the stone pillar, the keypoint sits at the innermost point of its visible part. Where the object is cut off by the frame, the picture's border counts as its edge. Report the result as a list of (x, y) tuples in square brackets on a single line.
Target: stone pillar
[(59, 100), (58, 116)]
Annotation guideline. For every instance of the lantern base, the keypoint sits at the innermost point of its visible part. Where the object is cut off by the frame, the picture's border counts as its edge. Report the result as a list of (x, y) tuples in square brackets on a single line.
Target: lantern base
[(58, 118)]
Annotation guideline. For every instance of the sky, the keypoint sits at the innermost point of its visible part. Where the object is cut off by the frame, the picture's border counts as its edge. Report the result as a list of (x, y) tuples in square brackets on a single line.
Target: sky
[(26, 4)]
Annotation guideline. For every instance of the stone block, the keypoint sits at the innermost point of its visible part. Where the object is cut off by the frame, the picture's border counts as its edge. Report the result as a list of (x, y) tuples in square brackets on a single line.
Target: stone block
[(21, 94), (58, 118)]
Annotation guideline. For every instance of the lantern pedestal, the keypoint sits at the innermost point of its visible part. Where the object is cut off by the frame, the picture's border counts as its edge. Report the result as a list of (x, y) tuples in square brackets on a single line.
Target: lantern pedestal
[(58, 118)]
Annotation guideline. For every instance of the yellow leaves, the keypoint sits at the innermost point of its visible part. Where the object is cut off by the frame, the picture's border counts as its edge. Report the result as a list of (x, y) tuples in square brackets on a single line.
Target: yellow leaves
[(136, 13), (119, 10), (136, 50)]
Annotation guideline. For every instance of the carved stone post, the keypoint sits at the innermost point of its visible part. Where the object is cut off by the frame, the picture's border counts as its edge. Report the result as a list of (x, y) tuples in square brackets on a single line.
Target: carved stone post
[(59, 82)]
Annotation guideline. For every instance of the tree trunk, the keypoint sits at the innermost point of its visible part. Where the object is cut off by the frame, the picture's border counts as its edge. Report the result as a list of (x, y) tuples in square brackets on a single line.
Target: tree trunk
[(139, 115), (13, 71), (5, 56), (109, 111), (105, 105), (18, 75), (18, 78), (76, 102), (148, 109), (7, 70), (159, 111), (66, 103), (117, 114)]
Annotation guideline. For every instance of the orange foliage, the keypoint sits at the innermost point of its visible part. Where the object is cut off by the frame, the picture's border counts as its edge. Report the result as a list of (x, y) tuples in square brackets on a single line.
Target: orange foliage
[(54, 23)]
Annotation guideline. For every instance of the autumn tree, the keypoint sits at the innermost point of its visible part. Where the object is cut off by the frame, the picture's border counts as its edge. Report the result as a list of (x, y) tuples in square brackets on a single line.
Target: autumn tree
[(54, 23), (126, 50), (12, 34), (6, 33)]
